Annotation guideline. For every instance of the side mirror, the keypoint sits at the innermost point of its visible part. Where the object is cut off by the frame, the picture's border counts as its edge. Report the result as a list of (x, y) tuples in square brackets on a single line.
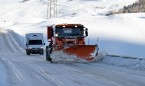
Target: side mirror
[(26, 44), (44, 44), (86, 31), (50, 32)]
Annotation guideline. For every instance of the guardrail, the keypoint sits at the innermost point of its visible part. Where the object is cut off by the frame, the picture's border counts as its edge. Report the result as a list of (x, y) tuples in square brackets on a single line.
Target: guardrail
[(128, 57)]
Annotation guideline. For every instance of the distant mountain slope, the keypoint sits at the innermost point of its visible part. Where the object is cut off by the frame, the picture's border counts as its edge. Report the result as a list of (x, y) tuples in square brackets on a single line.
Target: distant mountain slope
[(136, 7)]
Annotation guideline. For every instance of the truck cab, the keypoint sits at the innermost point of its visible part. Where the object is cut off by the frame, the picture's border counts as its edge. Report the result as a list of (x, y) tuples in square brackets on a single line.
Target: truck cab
[(34, 43), (67, 34)]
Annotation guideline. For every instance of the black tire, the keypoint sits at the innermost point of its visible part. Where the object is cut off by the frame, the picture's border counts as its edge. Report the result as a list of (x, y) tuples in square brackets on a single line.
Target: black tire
[(27, 52), (42, 52), (97, 54), (48, 58)]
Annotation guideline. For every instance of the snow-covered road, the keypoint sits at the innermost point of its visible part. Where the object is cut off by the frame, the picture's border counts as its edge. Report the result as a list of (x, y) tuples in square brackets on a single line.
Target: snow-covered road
[(18, 69)]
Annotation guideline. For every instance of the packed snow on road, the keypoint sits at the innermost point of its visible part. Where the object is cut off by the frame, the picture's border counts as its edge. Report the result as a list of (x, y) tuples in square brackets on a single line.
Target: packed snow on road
[(120, 37)]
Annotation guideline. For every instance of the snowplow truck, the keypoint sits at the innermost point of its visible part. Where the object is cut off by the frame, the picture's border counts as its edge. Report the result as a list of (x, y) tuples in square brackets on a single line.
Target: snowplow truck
[(67, 43), (34, 43)]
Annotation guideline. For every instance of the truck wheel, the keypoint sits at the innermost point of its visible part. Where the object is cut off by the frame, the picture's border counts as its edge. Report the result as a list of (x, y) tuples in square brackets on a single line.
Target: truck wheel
[(27, 52), (48, 58), (41, 52)]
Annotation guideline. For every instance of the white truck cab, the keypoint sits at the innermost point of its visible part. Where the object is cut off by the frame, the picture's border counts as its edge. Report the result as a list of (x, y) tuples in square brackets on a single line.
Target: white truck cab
[(34, 43)]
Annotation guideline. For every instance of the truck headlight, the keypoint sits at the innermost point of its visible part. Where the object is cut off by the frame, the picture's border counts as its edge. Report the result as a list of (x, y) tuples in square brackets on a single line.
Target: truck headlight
[(29, 47), (56, 35), (41, 47)]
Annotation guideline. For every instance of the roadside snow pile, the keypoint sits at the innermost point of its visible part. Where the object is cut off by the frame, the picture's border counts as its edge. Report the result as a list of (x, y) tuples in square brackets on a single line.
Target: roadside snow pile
[(18, 38), (136, 64), (100, 56)]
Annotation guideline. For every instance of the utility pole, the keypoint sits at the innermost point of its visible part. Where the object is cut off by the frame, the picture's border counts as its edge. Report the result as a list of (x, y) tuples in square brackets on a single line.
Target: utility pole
[(52, 9)]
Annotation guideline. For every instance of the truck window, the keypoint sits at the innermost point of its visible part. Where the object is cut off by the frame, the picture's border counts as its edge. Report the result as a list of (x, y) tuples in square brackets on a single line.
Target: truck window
[(62, 32), (67, 31), (35, 42)]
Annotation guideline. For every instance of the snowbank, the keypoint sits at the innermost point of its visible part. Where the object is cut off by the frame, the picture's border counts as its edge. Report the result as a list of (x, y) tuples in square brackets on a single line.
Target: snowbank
[(136, 64)]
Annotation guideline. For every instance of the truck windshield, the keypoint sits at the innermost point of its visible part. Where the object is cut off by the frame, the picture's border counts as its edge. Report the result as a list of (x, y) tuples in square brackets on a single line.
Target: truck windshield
[(62, 32), (35, 42)]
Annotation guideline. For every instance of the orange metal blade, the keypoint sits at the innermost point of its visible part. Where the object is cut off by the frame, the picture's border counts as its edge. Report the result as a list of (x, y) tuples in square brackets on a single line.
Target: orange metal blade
[(81, 51)]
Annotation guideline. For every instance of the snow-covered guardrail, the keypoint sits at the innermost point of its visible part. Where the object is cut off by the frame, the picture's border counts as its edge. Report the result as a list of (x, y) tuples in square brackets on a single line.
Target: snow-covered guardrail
[(128, 57)]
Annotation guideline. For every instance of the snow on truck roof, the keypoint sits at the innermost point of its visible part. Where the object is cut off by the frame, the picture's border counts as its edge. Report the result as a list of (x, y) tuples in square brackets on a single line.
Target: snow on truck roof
[(34, 36), (69, 25)]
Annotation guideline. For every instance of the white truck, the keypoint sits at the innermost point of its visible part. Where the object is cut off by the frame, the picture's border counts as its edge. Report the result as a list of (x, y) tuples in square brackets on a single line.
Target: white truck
[(34, 43)]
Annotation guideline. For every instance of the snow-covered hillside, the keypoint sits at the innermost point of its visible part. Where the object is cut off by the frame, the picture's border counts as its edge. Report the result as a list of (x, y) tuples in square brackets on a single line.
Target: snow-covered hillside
[(121, 34)]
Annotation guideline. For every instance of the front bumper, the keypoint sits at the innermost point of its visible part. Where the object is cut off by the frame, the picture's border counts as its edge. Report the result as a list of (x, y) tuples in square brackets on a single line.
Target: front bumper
[(35, 50)]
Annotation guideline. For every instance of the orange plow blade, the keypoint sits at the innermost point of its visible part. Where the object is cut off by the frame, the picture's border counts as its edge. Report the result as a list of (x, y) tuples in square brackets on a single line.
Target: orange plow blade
[(75, 53), (82, 51)]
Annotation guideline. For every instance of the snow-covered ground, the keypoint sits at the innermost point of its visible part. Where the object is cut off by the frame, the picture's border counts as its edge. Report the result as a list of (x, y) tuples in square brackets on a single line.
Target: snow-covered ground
[(18, 69), (121, 34)]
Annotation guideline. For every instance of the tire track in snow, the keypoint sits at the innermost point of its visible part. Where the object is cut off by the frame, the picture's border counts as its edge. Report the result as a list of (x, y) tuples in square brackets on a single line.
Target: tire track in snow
[(4, 78), (90, 76), (47, 77), (112, 77), (34, 76), (73, 75), (58, 75), (14, 74)]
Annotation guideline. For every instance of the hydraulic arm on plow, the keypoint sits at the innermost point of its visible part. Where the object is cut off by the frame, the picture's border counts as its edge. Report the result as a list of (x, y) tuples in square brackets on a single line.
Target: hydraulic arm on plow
[(67, 43)]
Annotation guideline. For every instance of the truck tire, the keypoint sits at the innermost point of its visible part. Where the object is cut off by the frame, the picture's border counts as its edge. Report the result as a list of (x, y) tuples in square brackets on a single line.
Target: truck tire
[(48, 58), (42, 52), (27, 52)]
